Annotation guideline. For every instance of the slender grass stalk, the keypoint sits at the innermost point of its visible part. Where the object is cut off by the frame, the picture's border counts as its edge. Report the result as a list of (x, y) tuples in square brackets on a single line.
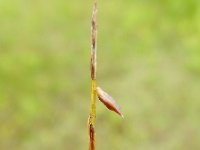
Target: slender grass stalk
[(91, 123), (106, 99)]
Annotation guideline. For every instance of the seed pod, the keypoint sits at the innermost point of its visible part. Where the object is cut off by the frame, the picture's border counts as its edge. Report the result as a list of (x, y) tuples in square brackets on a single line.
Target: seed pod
[(108, 101)]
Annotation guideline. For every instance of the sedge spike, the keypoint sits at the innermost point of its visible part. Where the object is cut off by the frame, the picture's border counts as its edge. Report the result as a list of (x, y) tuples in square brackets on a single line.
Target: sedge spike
[(106, 99), (92, 116)]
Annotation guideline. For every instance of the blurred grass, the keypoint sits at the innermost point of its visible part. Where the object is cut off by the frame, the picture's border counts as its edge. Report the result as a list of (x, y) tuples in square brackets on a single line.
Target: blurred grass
[(148, 59)]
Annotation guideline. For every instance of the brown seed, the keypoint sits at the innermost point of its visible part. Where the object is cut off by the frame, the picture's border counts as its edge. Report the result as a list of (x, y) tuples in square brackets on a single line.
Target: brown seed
[(108, 101)]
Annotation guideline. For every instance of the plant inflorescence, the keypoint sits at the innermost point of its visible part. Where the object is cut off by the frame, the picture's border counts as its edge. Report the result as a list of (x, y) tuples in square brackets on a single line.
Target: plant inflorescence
[(106, 99)]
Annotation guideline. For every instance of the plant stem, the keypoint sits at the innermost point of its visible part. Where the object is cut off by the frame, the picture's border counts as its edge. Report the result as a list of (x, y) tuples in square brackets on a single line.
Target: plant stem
[(93, 103), (92, 116)]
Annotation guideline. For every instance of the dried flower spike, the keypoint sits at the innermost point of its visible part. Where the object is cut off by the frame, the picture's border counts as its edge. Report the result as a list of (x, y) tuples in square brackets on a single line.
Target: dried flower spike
[(108, 101), (94, 43), (92, 116)]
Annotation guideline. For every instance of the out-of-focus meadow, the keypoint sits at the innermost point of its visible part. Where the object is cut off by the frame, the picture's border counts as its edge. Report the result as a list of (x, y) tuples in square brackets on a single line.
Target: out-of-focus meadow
[(148, 59)]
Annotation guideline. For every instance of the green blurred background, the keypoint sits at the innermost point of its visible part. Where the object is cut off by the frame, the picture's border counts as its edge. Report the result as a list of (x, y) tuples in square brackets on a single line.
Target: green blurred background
[(148, 59)]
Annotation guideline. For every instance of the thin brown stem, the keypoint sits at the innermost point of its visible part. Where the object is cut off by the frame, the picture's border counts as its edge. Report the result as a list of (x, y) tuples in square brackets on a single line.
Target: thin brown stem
[(92, 116)]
